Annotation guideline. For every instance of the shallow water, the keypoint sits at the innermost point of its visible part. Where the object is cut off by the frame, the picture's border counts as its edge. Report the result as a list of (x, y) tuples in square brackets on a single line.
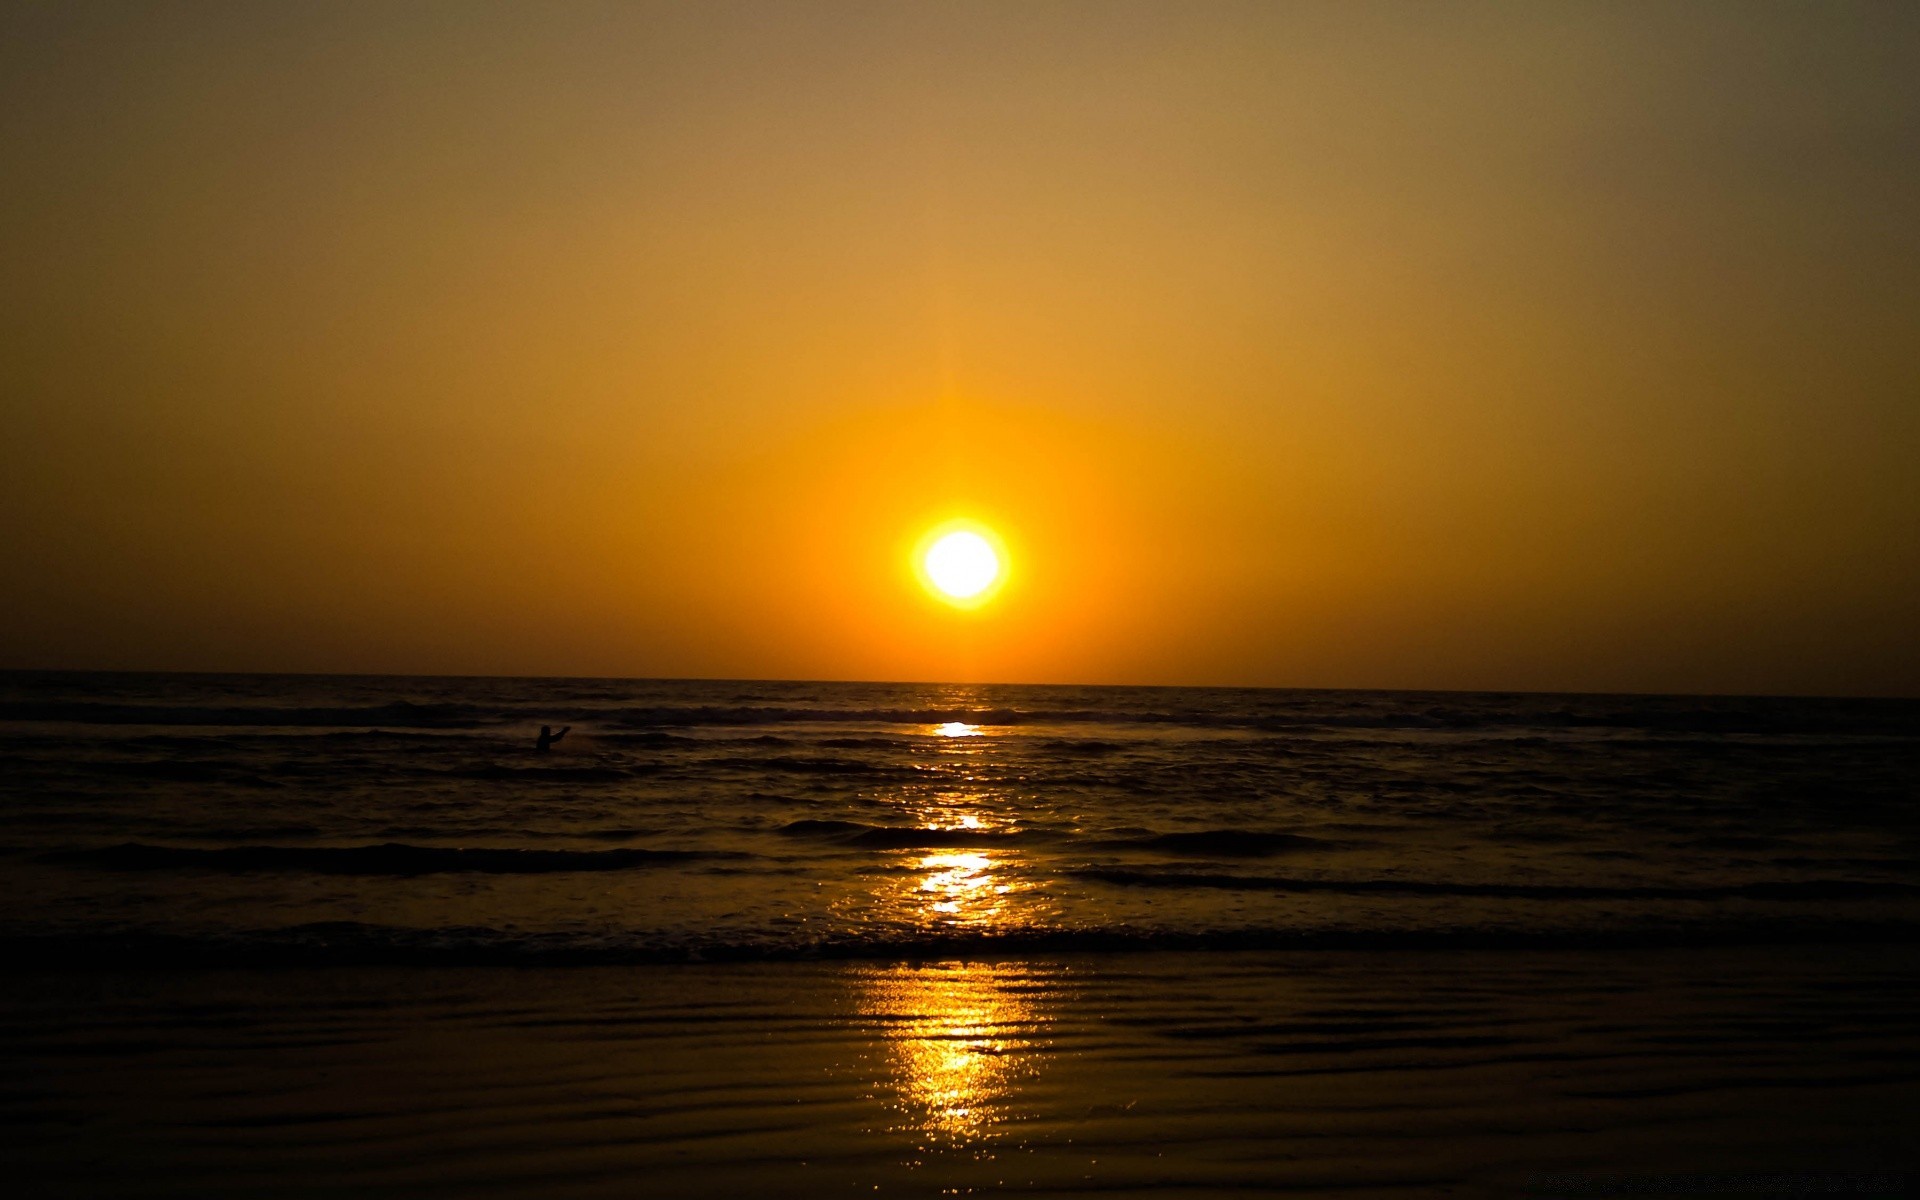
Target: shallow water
[(308, 820), (1406, 1074)]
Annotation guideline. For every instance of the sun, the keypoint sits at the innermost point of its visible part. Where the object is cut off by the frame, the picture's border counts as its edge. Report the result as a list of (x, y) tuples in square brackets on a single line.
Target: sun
[(961, 563)]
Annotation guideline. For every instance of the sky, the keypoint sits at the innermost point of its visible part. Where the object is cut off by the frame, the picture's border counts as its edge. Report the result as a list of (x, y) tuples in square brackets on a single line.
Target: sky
[(1479, 346)]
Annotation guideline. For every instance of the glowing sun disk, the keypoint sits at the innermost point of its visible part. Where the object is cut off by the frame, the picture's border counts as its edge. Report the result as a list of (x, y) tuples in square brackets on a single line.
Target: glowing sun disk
[(962, 565)]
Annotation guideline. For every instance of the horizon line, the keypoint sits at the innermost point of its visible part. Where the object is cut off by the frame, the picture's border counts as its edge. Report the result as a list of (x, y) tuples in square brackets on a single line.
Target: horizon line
[(1194, 687)]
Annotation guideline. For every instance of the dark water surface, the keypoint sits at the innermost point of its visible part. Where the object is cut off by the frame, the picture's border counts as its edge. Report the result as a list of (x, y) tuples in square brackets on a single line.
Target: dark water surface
[(333, 934)]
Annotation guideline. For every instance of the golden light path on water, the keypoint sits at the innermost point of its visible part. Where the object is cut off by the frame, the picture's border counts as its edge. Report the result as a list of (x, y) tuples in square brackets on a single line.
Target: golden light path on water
[(958, 1038)]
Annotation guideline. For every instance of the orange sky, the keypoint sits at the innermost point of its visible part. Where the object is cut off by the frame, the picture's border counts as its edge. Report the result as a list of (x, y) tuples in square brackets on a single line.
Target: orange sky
[(1504, 346)]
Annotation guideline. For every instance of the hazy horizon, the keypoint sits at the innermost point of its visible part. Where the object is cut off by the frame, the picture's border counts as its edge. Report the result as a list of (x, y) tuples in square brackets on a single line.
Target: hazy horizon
[(922, 683), (1488, 348)]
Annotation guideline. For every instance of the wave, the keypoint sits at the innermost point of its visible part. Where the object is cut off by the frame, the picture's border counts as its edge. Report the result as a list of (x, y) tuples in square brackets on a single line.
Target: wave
[(1092, 747), (1233, 843), (497, 772), (1806, 889), (649, 737), (187, 770), (349, 944), (1228, 843), (797, 765), (902, 837), (390, 858)]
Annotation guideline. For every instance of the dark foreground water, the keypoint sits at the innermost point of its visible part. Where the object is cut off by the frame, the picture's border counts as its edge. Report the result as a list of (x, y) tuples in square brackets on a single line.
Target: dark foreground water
[(337, 934)]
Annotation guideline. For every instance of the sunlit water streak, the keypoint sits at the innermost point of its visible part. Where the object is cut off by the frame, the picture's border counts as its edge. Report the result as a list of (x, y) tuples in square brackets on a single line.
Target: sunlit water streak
[(960, 1039)]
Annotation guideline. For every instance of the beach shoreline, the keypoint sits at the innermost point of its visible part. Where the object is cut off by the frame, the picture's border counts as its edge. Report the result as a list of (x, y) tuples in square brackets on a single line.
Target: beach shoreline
[(1373, 1073)]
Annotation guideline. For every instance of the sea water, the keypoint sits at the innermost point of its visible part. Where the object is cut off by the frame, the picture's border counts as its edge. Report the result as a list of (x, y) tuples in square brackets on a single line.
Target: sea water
[(309, 820)]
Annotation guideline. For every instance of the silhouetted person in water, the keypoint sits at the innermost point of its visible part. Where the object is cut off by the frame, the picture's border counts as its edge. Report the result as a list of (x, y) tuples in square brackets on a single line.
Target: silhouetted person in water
[(548, 737)]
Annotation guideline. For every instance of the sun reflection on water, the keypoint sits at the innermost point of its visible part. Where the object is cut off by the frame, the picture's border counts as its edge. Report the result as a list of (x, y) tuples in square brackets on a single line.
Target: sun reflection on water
[(959, 1038), (963, 885), (959, 890)]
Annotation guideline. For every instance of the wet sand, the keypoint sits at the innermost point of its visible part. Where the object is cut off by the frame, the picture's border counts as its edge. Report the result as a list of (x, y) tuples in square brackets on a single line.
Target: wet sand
[(1170, 1074)]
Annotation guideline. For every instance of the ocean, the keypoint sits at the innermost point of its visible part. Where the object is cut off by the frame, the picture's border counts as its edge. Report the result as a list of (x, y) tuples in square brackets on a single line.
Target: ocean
[(913, 934), (314, 819)]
